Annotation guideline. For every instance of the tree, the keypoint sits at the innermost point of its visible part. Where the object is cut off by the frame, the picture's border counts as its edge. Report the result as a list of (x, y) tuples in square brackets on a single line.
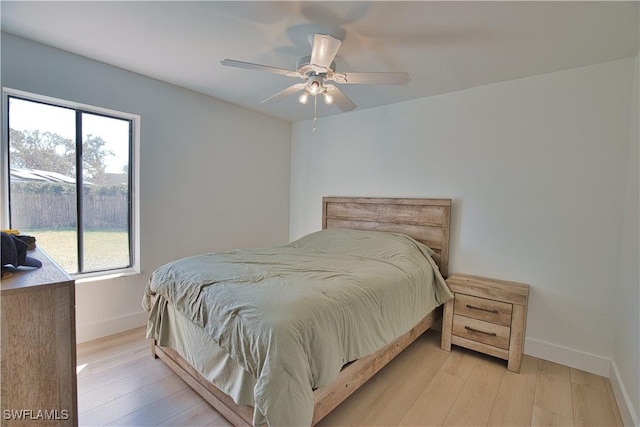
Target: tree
[(32, 149), (93, 157), (42, 150)]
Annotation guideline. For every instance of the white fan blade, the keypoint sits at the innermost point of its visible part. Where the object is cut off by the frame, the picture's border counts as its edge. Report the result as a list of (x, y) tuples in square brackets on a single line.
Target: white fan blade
[(323, 52), (400, 79), (286, 92), (259, 67), (340, 99)]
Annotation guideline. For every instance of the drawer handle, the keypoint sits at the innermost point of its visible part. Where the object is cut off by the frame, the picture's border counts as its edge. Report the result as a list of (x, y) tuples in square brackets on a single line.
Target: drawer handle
[(482, 309), (470, 329)]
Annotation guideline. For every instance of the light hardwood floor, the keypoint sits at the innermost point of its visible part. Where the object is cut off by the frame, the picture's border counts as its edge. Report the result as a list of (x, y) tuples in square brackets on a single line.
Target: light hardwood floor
[(119, 383)]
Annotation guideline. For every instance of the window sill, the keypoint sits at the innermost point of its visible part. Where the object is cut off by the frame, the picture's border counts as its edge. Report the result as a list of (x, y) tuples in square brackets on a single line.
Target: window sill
[(103, 275)]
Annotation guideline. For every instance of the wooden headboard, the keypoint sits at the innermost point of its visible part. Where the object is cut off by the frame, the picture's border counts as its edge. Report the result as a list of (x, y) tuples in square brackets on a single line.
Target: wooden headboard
[(425, 220)]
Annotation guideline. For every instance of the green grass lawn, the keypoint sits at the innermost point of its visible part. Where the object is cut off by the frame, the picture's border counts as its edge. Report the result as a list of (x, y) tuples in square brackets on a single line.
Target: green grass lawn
[(102, 249)]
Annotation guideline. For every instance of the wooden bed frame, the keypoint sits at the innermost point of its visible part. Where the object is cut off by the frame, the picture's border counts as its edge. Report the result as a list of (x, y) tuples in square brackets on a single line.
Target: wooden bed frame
[(426, 220)]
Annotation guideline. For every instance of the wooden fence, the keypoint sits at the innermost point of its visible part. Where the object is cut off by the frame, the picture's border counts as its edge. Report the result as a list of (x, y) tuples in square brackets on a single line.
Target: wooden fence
[(46, 211)]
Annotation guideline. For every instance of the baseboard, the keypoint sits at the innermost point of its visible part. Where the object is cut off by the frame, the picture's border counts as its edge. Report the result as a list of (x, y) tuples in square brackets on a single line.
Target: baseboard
[(590, 363), (94, 331), (568, 356), (627, 411)]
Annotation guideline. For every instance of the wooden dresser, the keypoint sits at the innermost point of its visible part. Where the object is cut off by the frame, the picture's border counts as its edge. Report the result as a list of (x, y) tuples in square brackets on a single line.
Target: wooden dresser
[(38, 350), (486, 315)]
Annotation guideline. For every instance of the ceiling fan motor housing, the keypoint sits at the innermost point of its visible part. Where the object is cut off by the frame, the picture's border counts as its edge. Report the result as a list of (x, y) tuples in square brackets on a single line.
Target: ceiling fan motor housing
[(305, 68)]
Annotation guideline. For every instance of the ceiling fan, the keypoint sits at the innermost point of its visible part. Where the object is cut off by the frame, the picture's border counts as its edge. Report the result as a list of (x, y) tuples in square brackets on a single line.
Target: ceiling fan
[(317, 70)]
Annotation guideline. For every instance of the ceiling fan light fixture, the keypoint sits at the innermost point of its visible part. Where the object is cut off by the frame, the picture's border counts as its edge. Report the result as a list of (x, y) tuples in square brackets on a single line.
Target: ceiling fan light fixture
[(328, 99), (314, 87), (303, 98)]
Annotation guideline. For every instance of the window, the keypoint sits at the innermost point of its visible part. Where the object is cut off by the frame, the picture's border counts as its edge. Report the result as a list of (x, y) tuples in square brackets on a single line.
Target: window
[(72, 181)]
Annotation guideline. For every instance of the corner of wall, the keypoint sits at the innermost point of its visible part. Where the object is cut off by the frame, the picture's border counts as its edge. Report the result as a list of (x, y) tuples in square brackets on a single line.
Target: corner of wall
[(589, 363), (625, 364), (625, 405)]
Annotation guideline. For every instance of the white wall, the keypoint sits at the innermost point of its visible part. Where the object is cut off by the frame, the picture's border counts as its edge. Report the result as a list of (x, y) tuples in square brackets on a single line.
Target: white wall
[(626, 355), (543, 179), (536, 169), (213, 176)]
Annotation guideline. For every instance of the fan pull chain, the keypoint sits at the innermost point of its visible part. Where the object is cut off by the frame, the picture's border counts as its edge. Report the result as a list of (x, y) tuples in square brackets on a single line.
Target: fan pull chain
[(315, 113)]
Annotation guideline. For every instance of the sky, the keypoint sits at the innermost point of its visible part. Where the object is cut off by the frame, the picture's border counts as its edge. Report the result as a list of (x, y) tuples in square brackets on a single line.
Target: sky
[(27, 115)]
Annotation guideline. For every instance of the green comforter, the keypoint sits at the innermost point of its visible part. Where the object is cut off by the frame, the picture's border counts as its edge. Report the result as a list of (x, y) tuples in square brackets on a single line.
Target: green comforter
[(293, 315)]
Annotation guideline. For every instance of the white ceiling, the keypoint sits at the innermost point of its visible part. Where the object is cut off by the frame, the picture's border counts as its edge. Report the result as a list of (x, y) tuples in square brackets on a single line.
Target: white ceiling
[(444, 46)]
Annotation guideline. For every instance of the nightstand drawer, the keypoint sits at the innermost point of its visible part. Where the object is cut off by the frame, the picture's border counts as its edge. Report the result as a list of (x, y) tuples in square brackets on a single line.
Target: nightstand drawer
[(483, 309), (480, 331)]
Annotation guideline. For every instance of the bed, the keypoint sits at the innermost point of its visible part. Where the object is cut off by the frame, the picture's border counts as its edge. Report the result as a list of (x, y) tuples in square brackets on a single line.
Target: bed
[(235, 363)]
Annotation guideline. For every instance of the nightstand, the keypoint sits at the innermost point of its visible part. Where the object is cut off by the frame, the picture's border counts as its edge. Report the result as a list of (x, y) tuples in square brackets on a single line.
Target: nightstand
[(486, 315)]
